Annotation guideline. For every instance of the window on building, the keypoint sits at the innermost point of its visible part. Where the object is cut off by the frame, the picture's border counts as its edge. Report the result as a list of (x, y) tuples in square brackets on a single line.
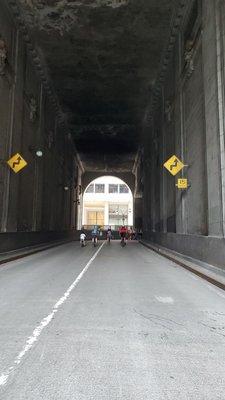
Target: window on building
[(99, 188), (90, 188), (113, 188), (95, 218), (124, 189)]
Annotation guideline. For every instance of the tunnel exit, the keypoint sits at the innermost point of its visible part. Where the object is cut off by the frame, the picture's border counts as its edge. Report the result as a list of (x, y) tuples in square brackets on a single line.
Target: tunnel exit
[(107, 201)]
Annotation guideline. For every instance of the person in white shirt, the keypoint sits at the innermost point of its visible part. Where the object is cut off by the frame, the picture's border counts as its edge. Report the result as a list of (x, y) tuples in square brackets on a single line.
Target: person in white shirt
[(82, 239)]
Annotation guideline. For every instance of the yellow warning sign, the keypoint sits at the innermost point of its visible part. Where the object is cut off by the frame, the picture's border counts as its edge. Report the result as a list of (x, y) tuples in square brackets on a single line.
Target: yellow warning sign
[(182, 183), (174, 165), (17, 163)]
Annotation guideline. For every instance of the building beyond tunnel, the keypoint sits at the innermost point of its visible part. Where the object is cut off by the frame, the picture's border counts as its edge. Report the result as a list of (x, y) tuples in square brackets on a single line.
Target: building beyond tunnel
[(114, 88), (107, 201)]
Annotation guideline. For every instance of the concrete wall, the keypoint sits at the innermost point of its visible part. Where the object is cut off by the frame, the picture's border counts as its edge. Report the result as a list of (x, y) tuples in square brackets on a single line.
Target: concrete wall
[(205, 248), (34, 199), (19, 240), (188, 121)]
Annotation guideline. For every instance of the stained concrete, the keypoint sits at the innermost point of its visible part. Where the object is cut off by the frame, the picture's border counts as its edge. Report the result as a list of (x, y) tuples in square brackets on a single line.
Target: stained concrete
[(187, 120), (34, 199), (103, 58), (18, 240)]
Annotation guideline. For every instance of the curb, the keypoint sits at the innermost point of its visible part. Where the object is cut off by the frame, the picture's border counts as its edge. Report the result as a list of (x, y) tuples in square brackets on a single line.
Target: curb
[(30, 252), (208, 276)]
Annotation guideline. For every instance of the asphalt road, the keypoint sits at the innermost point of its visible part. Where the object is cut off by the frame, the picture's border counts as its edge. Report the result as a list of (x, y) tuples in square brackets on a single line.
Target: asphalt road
[(123, 324)]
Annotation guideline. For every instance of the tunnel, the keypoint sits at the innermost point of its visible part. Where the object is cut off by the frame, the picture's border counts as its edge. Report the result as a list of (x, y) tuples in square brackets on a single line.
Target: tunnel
[(112, 199), (113, 87)]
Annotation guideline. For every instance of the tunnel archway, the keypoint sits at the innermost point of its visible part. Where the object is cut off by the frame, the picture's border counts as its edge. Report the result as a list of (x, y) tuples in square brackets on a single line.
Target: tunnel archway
[(107, 201)]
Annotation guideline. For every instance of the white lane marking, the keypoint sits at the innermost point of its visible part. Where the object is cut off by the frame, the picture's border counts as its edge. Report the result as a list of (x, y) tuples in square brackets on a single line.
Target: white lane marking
[(166, 300), (45, 322)]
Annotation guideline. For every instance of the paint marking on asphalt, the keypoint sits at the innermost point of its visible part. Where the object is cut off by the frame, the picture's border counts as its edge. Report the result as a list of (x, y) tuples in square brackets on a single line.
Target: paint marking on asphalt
[(165, 300), (45, 322)]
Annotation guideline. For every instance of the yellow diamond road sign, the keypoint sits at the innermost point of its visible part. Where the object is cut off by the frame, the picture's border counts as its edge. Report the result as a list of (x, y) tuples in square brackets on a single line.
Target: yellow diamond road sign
[(17, 163), (182, 183), (174, 165)]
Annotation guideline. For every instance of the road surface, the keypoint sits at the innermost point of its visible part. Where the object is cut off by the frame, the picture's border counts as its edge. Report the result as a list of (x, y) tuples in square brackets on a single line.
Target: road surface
[(109, 323)]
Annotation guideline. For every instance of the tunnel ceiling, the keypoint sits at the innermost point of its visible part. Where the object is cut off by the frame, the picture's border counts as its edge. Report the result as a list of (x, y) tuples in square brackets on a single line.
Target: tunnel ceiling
[(103, 57)]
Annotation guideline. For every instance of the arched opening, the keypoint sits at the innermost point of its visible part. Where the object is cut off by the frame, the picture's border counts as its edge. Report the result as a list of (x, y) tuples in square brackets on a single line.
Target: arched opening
[(107, 201)]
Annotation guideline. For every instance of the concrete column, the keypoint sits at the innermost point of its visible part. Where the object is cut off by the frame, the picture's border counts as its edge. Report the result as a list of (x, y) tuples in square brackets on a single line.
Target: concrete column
[(147, 184), (79, 206), (153, 177), (37, 169), (180, 140), (17, 128), (138, 193), (74, 196), (7, 98), (156, 173), (214, 114), (138, 212), (163, 203)]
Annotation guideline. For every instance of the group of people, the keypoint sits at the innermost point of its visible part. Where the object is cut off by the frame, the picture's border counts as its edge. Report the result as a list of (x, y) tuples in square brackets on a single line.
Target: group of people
[(124, 232), (95, 233), (130, 233)]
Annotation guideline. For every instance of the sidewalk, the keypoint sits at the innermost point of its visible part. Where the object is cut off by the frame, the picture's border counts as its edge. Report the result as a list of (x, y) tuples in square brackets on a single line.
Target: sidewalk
[(210, 273)]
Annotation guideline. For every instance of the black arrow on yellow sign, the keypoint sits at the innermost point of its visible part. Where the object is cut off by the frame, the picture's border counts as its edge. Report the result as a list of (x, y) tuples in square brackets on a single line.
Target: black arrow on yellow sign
[(174, 165), (17, 162)]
